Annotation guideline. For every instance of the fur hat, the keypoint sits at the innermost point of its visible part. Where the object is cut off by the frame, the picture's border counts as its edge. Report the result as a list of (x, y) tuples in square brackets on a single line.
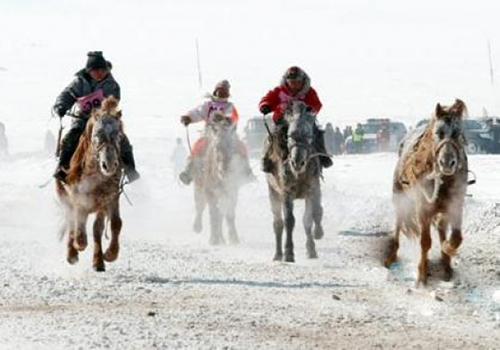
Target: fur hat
[(223, 84), (96, 60), (294, 72)]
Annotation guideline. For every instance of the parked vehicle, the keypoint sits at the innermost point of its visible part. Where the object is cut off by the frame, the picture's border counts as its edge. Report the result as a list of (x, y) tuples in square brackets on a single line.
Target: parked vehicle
[(255, 134), (371, 129), (483, 135)]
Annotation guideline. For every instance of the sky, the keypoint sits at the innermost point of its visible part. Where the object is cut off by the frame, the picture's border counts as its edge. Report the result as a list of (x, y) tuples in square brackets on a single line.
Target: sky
[(366, 58)]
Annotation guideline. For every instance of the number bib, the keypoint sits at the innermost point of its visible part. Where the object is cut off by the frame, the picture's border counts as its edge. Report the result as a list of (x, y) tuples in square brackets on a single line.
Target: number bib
[(90, 101)]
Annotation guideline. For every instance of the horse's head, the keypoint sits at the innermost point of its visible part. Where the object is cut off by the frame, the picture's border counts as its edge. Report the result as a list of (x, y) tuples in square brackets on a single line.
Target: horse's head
[(448, 137), (222, 132), (300, 136), (107, 132)]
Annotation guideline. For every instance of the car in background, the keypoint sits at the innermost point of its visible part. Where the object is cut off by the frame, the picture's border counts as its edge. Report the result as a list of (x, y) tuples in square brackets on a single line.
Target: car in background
[(255, 134), (371, 129), (482, 135)]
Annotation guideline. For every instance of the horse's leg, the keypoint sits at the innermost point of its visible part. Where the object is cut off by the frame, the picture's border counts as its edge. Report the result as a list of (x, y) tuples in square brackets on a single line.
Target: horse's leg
[(72, 253), (394, 244), (442, 225), (450, 246), (317, 212), (425, 245), (289, 225), (215, 221), (116, 225), (97, 262), (80, 237), (277, 207), (200, 203), (231, 217), (308, 223)]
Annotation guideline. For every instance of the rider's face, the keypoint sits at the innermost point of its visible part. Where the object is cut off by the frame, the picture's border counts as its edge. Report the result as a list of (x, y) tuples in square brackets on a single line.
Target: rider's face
[(221, 93), (294, 85), (98, 74)]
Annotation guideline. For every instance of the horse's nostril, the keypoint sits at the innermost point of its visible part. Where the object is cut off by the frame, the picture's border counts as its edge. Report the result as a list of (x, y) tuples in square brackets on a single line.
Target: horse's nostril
[(104, 166), (302, 164), (453, 162)]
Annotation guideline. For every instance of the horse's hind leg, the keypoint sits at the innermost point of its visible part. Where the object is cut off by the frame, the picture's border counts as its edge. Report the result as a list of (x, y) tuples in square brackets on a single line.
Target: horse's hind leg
[(317, 212), (97, 261), (200, 203), (289, 225), (308, 223), (276, 207), (116, 225), (394, 243)]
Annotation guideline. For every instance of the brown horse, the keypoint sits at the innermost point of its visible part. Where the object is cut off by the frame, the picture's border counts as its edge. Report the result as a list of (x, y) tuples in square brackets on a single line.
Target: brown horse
[(429, 186), (93, 185)]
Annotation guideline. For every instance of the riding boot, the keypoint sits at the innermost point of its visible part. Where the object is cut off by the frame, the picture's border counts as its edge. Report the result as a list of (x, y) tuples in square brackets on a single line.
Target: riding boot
[(320, 146), (68, 146), (187, 175), (128, 161)]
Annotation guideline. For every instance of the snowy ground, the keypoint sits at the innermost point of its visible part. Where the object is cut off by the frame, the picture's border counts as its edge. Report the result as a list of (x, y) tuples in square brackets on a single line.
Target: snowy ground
[(170, 289)]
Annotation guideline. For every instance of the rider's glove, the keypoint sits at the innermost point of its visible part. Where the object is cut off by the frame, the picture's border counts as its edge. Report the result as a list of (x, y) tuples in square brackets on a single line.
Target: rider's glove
[(309, 109), (59, 110), (186, 120), (265, 109)]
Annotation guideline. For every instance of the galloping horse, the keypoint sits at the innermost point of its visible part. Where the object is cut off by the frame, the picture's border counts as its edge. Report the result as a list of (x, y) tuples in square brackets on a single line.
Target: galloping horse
[(93, 185), (217, 180), (429, 186), (296, 176)]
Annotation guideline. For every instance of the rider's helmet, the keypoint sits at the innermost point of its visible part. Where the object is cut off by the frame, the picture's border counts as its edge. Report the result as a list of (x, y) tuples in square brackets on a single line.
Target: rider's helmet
[(222, 85)]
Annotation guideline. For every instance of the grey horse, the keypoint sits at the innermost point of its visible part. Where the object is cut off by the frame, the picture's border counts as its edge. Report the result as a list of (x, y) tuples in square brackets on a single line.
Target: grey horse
[(296, 176), (218, 177)]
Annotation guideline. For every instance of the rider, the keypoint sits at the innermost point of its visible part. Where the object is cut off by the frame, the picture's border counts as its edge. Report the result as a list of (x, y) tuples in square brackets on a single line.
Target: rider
[(91, 85), (295, 86), (217, 104)]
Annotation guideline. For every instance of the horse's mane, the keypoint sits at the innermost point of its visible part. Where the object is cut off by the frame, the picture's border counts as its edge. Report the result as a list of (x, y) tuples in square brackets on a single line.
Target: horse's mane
[(419, 153), (77, 163)]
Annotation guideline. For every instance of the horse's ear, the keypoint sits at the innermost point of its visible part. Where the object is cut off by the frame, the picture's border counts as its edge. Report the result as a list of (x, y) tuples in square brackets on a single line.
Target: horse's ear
[(459, 107), (439, 110)]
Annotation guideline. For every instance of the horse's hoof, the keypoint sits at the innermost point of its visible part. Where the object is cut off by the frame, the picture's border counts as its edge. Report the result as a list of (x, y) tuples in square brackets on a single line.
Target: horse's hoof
[(448, 273), (389, 261), (318, 232), (278, 257), (312, 254), (73, 259), (80, 242), (216, 241), (197, 226), (234, 240), (99, 267), (289, 258), (110, 255)]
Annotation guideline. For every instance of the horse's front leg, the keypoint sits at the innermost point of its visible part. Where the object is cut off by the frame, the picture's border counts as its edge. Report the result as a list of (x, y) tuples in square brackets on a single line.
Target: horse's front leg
[(72, 253), (97, 261), (308, 223), (277, 210), (230, 209), (425, 245), (215, 221), (80, 236), (200, 203), (289, 225), (317, 212), (450, 247), (116, 225)]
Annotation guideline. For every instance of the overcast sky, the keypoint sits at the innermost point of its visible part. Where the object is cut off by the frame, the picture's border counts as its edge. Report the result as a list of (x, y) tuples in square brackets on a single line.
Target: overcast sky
[(367, 58)]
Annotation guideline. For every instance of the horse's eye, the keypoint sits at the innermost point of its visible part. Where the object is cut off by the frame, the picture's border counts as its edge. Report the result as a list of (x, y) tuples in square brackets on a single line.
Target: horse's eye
[(441, 134)]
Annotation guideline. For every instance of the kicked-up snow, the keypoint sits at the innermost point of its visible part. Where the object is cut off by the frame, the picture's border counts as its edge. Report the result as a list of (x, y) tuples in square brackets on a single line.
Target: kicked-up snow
[(170, 289)]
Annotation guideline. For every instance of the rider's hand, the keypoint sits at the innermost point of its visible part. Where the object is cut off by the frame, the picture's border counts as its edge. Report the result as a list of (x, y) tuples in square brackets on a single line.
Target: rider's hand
[(59, 110), (309, 109), (186, 120), (265, 109)]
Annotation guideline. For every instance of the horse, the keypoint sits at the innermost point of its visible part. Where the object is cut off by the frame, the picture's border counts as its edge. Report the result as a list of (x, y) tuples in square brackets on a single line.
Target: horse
[(93, 185), (296, 175), (217, 179), (429, 186)]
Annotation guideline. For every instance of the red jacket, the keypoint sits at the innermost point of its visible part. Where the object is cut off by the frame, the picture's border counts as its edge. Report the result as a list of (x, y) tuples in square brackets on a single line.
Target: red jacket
[(278, 98)]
